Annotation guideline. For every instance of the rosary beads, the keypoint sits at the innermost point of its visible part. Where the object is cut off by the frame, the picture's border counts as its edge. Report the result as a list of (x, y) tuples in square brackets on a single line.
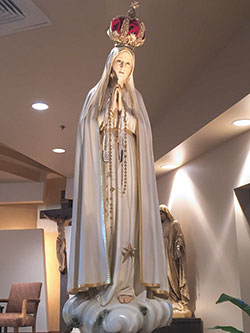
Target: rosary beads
[(120, 131)]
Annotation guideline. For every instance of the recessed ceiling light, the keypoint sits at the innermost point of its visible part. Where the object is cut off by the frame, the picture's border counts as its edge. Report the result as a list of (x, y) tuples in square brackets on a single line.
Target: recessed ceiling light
[(59, 150), (167, 166), (40, 106), (241, 122)]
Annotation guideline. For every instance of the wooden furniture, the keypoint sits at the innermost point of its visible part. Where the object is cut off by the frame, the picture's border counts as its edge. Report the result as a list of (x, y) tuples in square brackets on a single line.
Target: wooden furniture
[(1, 310), (22, 306), (182, 325)]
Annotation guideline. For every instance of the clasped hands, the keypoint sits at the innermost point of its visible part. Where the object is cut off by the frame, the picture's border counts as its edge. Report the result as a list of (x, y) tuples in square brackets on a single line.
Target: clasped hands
[(116, 100)]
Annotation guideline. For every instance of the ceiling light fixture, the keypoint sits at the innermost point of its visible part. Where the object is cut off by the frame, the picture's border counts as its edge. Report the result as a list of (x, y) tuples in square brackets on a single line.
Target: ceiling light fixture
[(241, 122), (59, 150), (40, 106), (167, 166)]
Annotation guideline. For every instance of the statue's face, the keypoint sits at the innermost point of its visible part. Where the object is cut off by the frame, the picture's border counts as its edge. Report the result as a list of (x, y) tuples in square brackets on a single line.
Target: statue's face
[(122, 66), (163, 216)]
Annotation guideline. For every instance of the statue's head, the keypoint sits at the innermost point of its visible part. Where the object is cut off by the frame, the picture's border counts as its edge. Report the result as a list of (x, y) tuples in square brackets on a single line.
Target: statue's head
[(166, 216), (123, 66)]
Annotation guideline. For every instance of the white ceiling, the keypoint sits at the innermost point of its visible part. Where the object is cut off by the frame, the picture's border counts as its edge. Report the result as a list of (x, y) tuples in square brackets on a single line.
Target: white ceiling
[(217, 131), (61, 62)]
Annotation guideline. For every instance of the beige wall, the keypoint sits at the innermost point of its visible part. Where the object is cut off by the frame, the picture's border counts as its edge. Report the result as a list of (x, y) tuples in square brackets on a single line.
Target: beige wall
[(53, 280), (21, 193), (18, 216), (200, 195), (53, 275), (52, 199), (25, 216), (22, 260), (52, 190)]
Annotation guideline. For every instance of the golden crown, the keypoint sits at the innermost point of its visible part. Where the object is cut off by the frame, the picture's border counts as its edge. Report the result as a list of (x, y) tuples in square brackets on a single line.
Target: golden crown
[(127, 30)]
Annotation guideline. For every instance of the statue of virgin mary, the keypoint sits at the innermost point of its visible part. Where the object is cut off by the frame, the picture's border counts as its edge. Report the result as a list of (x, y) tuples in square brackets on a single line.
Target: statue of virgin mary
[(117, 248)]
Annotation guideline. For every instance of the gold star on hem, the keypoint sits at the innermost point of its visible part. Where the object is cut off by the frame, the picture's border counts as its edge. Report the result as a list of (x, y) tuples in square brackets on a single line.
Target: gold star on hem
[(128, 252)]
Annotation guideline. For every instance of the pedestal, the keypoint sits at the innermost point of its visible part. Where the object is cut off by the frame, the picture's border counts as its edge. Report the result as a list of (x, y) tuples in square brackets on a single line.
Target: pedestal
[(63, 298), (182, 325), (141, 315)]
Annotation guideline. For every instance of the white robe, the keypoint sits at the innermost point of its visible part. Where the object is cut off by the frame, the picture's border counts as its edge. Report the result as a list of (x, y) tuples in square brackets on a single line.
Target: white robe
[(137, 218), (125, 225)]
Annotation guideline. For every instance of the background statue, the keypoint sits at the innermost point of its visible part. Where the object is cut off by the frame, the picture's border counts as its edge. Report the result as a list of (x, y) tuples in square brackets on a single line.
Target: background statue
[(176, 263), (60, 240), (63, 218), (117, 248)]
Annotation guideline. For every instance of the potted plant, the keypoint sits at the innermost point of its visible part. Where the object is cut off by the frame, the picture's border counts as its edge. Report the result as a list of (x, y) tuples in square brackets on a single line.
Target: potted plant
[(236, 301)]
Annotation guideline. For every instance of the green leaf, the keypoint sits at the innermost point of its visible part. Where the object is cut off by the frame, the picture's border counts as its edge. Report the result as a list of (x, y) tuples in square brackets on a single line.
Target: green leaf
[(236, 301), (226, 329)]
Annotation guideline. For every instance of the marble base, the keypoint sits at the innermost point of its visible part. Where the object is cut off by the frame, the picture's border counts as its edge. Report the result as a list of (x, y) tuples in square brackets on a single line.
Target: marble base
[(142, 314)]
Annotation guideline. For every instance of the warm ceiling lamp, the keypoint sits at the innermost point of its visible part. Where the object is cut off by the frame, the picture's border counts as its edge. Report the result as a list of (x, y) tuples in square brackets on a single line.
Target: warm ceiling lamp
[(241, 122), (40, 106), (167, 166), (59, 150)]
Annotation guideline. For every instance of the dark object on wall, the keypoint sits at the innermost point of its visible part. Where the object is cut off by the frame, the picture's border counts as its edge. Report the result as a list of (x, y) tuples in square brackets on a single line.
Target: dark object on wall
[(182, 325), (63, 218), (243, 196)]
